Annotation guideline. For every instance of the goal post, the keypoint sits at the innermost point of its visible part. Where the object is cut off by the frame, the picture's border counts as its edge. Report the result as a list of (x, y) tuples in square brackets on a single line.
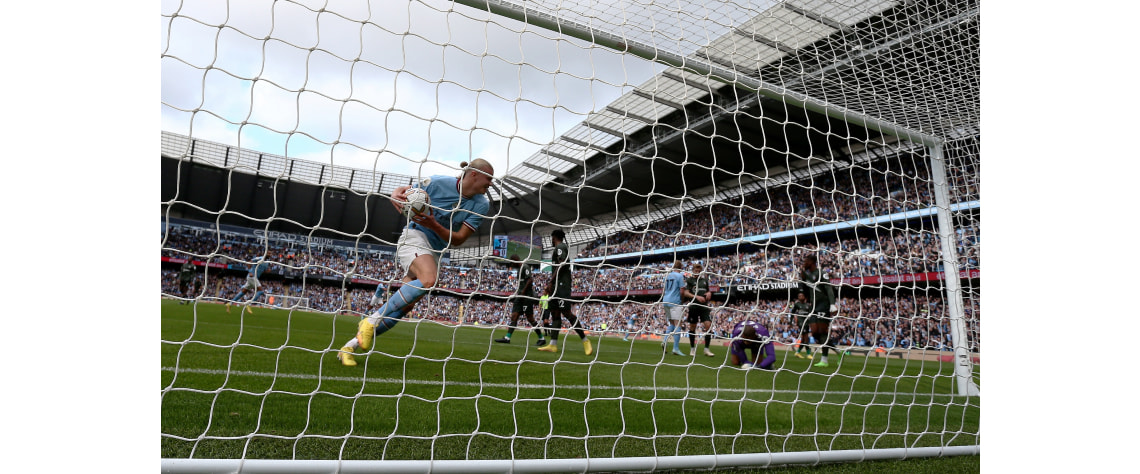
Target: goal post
[(809, 167), (963, 364)]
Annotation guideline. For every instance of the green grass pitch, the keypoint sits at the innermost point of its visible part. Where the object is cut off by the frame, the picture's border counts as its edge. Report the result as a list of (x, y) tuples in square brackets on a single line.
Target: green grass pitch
[(267, 385)]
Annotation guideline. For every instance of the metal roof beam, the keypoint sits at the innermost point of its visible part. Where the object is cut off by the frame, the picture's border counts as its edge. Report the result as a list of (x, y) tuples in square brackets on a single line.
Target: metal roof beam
[(626, 113), (548, 171), (600, 128), (563, 157), (765, 41), (622, 43), (667, 103)]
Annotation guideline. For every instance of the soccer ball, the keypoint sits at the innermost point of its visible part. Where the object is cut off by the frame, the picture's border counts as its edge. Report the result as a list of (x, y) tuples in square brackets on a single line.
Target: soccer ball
[(417, 202)]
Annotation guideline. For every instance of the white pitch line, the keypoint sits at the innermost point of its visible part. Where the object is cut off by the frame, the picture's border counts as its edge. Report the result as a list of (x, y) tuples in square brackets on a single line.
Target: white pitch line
[(245, 373)]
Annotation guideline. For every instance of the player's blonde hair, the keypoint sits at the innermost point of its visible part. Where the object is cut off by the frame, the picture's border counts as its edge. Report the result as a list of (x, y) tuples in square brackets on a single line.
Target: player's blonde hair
[(479, 164)]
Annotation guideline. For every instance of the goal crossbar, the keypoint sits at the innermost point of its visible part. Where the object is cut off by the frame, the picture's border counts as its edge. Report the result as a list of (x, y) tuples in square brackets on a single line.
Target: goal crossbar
[(644, 463)]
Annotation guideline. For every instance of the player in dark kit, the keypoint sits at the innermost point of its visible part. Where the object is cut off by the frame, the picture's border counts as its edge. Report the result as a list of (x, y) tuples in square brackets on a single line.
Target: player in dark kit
[(524, 301), (697, 289), (751, 336), (801, 310), (821, 295), (185, 278), (560, 301)]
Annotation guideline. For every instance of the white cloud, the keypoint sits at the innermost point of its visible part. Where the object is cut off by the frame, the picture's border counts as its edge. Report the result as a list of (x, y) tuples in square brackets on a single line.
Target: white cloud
[(399, 87)]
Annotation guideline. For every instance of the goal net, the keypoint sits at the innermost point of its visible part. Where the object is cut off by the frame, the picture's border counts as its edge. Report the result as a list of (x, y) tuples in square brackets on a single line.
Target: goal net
[(722, 157)]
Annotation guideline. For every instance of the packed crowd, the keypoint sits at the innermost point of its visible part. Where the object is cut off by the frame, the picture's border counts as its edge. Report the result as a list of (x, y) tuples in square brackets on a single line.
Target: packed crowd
[(901, 321), (884, 188), (897, 252)]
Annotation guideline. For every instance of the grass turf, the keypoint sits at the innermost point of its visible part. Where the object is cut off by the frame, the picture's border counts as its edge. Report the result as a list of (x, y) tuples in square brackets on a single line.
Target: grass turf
[(267, 385)]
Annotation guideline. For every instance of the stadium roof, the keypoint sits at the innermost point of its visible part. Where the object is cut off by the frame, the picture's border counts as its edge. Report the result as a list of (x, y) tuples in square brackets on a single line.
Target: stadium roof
[(912, 65)]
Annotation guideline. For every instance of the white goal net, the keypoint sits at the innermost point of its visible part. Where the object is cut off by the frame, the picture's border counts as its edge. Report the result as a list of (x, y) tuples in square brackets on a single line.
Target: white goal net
[(721, 158)]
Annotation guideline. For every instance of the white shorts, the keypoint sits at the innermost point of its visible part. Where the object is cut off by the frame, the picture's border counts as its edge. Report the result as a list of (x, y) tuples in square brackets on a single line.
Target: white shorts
[(412, 244), (674, 311), (251, 284)]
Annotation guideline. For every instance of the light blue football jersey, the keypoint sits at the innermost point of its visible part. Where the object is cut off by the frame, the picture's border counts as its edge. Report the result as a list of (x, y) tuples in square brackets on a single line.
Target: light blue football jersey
[(674, 281), (450, 209)]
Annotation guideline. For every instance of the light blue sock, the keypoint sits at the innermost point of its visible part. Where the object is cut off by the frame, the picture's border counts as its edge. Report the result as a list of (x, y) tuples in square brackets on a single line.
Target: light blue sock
[(396, 307), (677, 339)]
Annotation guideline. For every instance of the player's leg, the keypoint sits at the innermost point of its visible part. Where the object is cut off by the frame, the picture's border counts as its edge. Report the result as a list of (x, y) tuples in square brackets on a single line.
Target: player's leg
[(572, 319), (805, 337), (586, 345), (672, 328), (707, 322), (677, 319), (821, 332), (258, 293), (546, 325), (528, 311), (421, 278), (555, 325), (420, 264), (692, 320), (378, 295), (235, 299), (511, 328)]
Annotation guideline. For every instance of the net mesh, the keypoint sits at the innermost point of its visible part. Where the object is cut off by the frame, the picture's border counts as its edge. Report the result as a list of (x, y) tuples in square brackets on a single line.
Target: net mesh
[(288, 125)]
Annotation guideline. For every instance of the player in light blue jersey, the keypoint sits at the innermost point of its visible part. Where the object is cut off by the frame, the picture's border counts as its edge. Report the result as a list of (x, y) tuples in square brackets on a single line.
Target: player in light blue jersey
[(671, 302), (252, 283), (458, 206), (631, 329)]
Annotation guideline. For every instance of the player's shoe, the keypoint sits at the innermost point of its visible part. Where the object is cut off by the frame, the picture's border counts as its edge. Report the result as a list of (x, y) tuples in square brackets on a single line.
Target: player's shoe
[(693, 352), (589, 348), (364, 332), (709, 353), (540, 342), (504, 340), (799, 356), (811, 356), (249, 308), (677, 352), (625, 339), (820, 364), (345, 356), (228, 307), (549, 348)]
